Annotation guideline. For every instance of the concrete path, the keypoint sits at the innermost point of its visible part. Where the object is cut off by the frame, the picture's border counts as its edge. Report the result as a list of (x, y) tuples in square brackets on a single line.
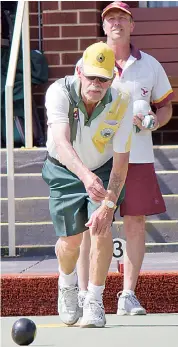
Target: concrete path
[(41, 265), (156, 330)]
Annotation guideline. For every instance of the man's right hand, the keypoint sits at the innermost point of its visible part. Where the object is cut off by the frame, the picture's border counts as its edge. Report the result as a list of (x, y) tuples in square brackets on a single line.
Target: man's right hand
[(94, 187)]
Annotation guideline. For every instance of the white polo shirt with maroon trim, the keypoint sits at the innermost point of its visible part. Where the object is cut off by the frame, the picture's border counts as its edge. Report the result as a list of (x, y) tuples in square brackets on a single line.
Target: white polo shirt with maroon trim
[(145, 79)]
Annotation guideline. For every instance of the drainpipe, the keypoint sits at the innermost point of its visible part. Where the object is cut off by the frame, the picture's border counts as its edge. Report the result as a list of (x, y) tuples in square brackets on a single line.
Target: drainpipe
[(39, 27)]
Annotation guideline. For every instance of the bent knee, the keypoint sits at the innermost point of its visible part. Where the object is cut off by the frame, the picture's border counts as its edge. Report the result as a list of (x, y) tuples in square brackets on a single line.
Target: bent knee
[(70, 242)]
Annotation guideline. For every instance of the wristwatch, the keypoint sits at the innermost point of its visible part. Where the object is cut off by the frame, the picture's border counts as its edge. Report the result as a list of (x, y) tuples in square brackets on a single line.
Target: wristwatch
[(109, 204)]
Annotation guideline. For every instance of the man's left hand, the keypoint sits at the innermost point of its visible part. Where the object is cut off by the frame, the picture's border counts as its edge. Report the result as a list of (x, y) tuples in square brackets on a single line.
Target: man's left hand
[(137, 120), (100, 221)]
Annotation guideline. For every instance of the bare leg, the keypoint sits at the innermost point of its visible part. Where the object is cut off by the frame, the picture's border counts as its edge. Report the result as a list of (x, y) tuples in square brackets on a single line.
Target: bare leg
[(100, 258), (67, 251), (83, 261), (134, 228)]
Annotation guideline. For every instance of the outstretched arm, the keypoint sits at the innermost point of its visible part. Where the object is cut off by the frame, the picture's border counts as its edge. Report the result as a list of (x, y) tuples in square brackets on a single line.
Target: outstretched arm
[(69, 158), (117, 176)]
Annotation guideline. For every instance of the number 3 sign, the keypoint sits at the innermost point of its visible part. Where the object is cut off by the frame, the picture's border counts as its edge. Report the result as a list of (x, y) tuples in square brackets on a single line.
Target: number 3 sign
[(119, 248)]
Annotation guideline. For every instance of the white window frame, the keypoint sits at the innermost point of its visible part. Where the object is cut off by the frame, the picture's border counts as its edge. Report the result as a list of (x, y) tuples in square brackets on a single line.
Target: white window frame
[(143, 4)]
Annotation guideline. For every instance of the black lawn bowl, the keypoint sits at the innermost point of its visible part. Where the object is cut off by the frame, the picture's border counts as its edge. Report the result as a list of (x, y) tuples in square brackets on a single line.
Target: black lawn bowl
[(23, 331)]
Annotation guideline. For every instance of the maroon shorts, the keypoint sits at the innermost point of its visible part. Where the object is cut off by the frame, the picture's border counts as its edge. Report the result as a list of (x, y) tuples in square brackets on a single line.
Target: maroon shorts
[(143, 196)]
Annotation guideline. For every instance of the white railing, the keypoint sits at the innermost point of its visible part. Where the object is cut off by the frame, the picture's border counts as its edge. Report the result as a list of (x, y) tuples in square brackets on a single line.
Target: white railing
[(21, 25)]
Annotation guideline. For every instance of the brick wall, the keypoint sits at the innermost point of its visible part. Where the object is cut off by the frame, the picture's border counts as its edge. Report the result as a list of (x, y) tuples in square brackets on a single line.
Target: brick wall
[(68, 27)]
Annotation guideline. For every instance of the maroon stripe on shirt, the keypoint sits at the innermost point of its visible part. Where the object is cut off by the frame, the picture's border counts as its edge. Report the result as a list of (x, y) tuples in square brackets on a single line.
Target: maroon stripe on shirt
[(164, 101)]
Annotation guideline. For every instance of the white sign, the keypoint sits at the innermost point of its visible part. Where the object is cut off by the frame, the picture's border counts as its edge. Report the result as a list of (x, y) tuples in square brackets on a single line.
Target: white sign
[(119, 248)]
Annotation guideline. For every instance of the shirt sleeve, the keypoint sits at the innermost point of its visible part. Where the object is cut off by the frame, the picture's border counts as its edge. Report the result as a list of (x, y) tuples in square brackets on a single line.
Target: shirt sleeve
[(57, 105), (162, 91), (123, 136)]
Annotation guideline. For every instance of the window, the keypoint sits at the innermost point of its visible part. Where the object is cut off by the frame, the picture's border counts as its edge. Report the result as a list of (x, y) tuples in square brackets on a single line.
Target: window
[(158, 4)]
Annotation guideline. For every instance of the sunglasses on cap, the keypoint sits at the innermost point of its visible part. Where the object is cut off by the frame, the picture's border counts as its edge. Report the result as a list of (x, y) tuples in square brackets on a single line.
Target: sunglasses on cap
[(101, 79)]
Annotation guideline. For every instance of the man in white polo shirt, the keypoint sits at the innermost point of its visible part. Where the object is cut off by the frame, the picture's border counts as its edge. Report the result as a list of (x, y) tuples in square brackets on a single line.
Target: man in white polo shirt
[(144, 78), (86, 167)]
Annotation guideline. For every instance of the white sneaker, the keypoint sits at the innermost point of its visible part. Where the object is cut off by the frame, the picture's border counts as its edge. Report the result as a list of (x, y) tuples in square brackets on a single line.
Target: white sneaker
[(128, 304), (68, 304), (81, 298), (93, 313)]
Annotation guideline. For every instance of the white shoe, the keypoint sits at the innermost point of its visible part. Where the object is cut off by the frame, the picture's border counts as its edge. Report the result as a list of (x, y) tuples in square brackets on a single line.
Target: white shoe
[(93, 313), (128, 304), (81, 298), (68, 304)]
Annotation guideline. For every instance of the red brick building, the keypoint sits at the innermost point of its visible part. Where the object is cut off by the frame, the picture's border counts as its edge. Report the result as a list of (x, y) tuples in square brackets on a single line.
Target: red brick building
[(68, 27)]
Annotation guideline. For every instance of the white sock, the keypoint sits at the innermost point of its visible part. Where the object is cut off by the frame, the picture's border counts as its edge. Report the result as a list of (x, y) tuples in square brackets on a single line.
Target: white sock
[(97, 291), (67, 280), (82, 292), (128, 291)]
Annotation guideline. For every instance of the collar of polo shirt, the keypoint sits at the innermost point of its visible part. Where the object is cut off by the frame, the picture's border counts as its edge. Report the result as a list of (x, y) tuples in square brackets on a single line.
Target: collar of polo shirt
[(135, 52), (75, 93)]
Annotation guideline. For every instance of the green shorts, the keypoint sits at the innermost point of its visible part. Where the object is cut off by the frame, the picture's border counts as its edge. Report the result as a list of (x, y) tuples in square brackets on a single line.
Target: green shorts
[(69, 204)]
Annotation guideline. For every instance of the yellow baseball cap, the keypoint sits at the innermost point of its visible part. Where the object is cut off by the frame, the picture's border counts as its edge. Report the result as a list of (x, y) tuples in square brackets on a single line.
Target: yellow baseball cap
[(99, 61)]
